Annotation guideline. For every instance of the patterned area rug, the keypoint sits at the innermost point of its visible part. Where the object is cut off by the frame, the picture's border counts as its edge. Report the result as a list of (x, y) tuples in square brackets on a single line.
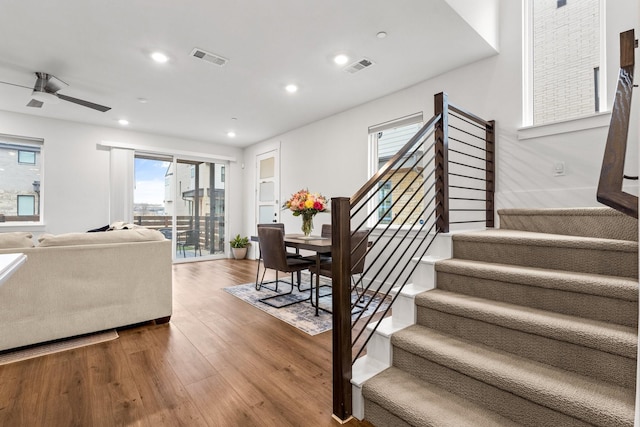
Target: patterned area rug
[(56, 346), (301, 315)]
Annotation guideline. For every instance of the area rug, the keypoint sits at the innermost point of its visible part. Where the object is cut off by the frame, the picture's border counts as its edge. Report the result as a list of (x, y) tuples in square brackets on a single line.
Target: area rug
[(301, 315), (56, 347)]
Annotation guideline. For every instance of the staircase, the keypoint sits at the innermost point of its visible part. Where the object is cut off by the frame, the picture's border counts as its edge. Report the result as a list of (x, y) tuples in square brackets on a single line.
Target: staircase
[(532, 324)]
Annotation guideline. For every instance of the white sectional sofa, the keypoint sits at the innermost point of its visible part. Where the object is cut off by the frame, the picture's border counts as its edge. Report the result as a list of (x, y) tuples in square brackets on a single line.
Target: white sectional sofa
[(78, 283)]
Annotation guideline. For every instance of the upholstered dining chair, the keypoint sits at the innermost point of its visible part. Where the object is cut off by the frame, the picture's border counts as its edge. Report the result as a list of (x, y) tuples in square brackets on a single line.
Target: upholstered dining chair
[(274, 256), (359, 247), (279, 226)]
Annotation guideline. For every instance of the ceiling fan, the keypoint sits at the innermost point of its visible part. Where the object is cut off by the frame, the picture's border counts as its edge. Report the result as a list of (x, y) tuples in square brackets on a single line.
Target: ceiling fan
[(46, 90)]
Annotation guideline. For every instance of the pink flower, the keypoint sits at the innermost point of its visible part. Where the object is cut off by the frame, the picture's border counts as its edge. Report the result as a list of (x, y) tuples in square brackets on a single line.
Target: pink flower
[(318, 205)]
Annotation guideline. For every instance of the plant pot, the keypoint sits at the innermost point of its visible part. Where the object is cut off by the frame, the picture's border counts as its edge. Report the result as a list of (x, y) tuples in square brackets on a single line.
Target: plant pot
[(239, 253)]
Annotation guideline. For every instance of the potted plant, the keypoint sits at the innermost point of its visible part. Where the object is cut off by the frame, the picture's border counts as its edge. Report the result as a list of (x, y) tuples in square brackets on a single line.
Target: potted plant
[(239, 246)]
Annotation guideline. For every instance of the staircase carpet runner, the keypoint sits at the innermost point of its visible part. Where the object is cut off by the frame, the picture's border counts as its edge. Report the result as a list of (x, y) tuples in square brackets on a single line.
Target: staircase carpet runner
[(534, 324)]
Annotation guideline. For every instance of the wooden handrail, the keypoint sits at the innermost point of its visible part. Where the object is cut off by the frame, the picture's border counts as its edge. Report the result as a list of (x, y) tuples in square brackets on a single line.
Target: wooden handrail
[(612, 173)]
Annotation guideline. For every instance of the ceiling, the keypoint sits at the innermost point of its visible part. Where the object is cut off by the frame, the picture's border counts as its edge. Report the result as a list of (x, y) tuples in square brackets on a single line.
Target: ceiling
[(102, 50)]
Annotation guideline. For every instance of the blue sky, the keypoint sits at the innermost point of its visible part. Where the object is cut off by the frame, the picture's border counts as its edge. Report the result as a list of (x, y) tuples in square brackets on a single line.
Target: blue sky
[(149, 176)]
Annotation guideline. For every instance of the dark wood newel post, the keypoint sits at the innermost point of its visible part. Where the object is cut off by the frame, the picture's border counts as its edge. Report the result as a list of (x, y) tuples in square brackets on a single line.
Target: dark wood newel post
[(441, 106), (490, 176), (610, 185), (341, 266)]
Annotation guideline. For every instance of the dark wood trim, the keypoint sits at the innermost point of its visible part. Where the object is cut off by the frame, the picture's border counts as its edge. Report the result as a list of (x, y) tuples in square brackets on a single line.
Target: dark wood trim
[(469, 115), (440, 108), (341, 306), (612, 173)]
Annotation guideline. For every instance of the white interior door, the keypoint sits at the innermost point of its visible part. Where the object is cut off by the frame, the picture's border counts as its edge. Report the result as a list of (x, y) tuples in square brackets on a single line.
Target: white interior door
[(268, 187)]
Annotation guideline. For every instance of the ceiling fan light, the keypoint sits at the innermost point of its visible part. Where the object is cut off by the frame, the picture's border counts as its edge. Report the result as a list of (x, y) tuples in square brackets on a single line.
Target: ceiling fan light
[(43, 96)]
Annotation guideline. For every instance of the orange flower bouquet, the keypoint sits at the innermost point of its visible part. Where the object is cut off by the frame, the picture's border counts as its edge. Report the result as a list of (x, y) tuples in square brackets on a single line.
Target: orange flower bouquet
[(306, 204)]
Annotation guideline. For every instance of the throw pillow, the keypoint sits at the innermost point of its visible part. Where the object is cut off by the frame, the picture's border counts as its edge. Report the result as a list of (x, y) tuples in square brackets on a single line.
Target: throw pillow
[(17, 239)]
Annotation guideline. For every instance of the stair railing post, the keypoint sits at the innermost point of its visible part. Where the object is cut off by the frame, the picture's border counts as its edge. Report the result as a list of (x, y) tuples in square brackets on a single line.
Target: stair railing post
[(490, 172), (341, 305), (441, 106)]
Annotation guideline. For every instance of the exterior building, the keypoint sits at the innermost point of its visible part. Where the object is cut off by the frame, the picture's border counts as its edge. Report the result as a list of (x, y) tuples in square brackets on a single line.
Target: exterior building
[(20, 175)]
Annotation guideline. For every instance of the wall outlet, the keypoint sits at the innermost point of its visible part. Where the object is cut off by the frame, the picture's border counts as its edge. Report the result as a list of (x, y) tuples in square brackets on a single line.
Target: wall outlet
[(558, 169)]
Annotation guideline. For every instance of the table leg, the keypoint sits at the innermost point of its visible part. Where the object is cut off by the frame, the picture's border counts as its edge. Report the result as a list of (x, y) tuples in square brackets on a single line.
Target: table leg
[(317, 282)]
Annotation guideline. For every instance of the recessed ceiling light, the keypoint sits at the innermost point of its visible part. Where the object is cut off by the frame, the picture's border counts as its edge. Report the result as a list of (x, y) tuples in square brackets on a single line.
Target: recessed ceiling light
[(291, 88), (123, 122), (143, 100), (159, 57), (381, 35), (231, 134), (341, 59)]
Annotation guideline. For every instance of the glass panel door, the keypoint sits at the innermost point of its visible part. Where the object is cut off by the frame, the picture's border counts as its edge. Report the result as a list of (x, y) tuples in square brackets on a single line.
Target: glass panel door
[(185, 201), (199, 209), (150, 197)]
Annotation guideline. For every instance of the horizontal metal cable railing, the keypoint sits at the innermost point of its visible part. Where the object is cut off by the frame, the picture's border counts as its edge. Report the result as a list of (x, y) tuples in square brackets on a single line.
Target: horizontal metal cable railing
[(443, 175)]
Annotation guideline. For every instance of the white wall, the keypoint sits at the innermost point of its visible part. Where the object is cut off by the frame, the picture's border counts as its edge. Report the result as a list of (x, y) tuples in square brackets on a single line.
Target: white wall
[(76, 169), (330, 156)]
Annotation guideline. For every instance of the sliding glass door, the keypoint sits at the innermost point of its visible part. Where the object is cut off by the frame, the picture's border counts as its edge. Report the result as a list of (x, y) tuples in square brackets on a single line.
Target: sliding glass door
[(185, 200)]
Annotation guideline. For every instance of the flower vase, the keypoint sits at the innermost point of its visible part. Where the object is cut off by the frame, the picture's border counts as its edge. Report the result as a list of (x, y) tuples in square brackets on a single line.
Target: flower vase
[(307, 223)]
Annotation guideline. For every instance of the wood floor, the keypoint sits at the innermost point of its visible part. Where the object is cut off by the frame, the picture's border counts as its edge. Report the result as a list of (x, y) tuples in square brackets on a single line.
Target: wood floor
[(219, 362)]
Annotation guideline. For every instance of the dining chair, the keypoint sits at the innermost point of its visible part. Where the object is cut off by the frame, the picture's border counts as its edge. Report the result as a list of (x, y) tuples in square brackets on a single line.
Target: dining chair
[(359, 247), (274, 257), (279, 226)]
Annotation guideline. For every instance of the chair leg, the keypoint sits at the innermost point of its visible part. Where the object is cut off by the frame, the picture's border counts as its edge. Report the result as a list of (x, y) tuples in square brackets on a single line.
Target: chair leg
[(267, 300)]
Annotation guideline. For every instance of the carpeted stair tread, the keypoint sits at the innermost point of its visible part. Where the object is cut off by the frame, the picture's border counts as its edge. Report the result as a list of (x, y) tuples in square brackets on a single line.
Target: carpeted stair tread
[(616, 339), (551, 251), (594, 284), (530, 238), (601, 222), (419, 403), (578, 396)]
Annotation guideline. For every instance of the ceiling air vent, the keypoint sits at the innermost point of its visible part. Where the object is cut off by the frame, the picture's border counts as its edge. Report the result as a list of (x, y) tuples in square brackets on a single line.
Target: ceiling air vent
[(208, 56), (358, 66)]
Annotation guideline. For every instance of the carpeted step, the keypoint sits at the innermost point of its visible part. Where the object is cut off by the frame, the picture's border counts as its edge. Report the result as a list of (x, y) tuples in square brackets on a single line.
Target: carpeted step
[(520, 389), (600, 222), (605, 298), (588, 347), (551, 251), (395, 398)]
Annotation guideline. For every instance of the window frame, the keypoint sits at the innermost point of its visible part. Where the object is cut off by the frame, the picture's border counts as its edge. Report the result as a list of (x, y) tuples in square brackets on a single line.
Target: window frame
[(36, 145), (374, 160)]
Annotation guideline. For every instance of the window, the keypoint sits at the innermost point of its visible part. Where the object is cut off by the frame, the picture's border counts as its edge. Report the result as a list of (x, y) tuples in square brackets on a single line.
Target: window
[(27, 157), (385, 140), (20, 179), (562, 49), (26, 205)]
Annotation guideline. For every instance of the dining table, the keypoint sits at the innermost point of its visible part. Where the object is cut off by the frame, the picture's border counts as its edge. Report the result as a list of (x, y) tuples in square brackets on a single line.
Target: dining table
[(320, 245)]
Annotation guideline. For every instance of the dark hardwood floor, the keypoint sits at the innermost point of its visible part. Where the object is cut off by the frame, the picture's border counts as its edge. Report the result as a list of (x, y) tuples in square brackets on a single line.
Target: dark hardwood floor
[(219, 362)]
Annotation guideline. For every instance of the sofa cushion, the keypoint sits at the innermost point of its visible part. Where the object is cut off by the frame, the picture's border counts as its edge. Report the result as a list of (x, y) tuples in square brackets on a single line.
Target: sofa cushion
[(16, 239), (119, 236)]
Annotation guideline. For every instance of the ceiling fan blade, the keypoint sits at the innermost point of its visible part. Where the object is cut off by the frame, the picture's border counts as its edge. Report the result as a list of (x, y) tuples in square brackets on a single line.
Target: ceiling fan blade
[(54, 84), (83, 103), (13, 84), (35, 103)]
